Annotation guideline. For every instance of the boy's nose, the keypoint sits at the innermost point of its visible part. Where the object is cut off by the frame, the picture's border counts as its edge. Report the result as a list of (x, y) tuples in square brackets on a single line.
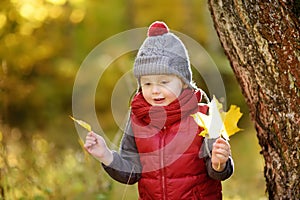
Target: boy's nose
[(155, 89)]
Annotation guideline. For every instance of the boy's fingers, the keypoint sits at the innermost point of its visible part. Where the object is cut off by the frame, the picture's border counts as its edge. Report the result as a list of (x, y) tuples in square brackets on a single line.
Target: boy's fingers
[(91, 133), (222, 141), (89, 140), (220, 156), (222, 147), (87, 146), (92, 136), (222, 153), (95, 135)]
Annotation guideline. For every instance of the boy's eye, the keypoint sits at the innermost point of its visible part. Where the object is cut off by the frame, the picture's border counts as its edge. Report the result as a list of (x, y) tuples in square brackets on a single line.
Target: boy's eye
[(164, 82), (146, 84)]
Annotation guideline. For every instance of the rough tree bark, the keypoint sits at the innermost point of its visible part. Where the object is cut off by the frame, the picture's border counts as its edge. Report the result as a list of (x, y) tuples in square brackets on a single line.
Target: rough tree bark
[(262, 42)]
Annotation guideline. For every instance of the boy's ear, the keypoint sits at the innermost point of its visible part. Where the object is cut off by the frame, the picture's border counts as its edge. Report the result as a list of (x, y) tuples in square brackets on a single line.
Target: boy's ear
[(185, 86)]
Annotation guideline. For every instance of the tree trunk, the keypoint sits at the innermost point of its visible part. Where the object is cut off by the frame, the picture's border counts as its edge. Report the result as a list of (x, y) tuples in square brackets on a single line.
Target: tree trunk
[(262, 42)]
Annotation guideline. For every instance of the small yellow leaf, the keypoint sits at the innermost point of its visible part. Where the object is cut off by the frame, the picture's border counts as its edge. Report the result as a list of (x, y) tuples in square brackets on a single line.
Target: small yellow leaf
[(200, 119), (204, 132), (83, 124), (231, 119)]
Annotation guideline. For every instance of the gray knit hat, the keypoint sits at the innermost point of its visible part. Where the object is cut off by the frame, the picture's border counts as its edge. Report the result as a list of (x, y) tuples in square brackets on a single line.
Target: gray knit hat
[(162, 53)]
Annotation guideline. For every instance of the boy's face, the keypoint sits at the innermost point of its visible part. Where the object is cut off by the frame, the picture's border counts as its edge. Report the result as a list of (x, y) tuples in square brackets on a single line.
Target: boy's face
[(161, 90)]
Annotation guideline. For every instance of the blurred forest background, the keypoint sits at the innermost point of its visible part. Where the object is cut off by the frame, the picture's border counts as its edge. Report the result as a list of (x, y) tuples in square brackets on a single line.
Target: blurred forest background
[(42, 45)]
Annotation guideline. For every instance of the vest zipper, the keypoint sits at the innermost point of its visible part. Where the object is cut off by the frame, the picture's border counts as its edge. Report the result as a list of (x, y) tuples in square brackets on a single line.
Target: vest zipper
[(162, 164)]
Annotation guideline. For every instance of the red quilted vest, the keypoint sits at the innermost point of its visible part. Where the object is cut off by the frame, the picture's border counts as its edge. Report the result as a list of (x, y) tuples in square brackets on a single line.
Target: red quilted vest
[(169, 156)]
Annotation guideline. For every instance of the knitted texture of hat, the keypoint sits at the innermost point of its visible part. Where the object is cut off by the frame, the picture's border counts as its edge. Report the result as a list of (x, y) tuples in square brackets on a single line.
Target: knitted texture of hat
[(162, 53)]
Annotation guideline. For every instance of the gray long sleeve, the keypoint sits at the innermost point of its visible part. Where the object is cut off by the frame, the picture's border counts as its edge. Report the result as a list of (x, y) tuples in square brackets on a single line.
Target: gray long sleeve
[(125, 167), (221, 176)]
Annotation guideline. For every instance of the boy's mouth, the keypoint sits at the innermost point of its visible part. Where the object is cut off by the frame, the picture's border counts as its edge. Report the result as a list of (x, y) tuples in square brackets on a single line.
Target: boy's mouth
[(159, 100)]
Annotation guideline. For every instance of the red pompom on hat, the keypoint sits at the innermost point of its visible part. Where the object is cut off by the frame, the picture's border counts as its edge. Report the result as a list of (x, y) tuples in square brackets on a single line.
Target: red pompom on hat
[(157, 28)]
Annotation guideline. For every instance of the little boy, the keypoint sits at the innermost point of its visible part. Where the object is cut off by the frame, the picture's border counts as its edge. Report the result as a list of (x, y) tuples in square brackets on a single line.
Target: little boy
[(161, 148)]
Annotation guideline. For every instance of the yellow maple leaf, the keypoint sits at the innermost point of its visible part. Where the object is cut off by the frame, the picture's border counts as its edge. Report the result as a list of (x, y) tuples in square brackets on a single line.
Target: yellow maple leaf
[(218, 122), (230, 120), (211, 123), (200, 120), (83, 124)]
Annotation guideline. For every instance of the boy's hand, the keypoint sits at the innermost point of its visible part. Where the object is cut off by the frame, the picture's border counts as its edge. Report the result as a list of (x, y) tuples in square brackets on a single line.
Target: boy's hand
[(96, 145), (220, 154)]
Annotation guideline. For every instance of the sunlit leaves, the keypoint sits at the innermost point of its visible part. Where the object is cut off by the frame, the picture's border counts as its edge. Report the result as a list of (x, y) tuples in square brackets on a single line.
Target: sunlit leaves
[(77, 16), (3, 20), (57, 2), (33, 11)]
